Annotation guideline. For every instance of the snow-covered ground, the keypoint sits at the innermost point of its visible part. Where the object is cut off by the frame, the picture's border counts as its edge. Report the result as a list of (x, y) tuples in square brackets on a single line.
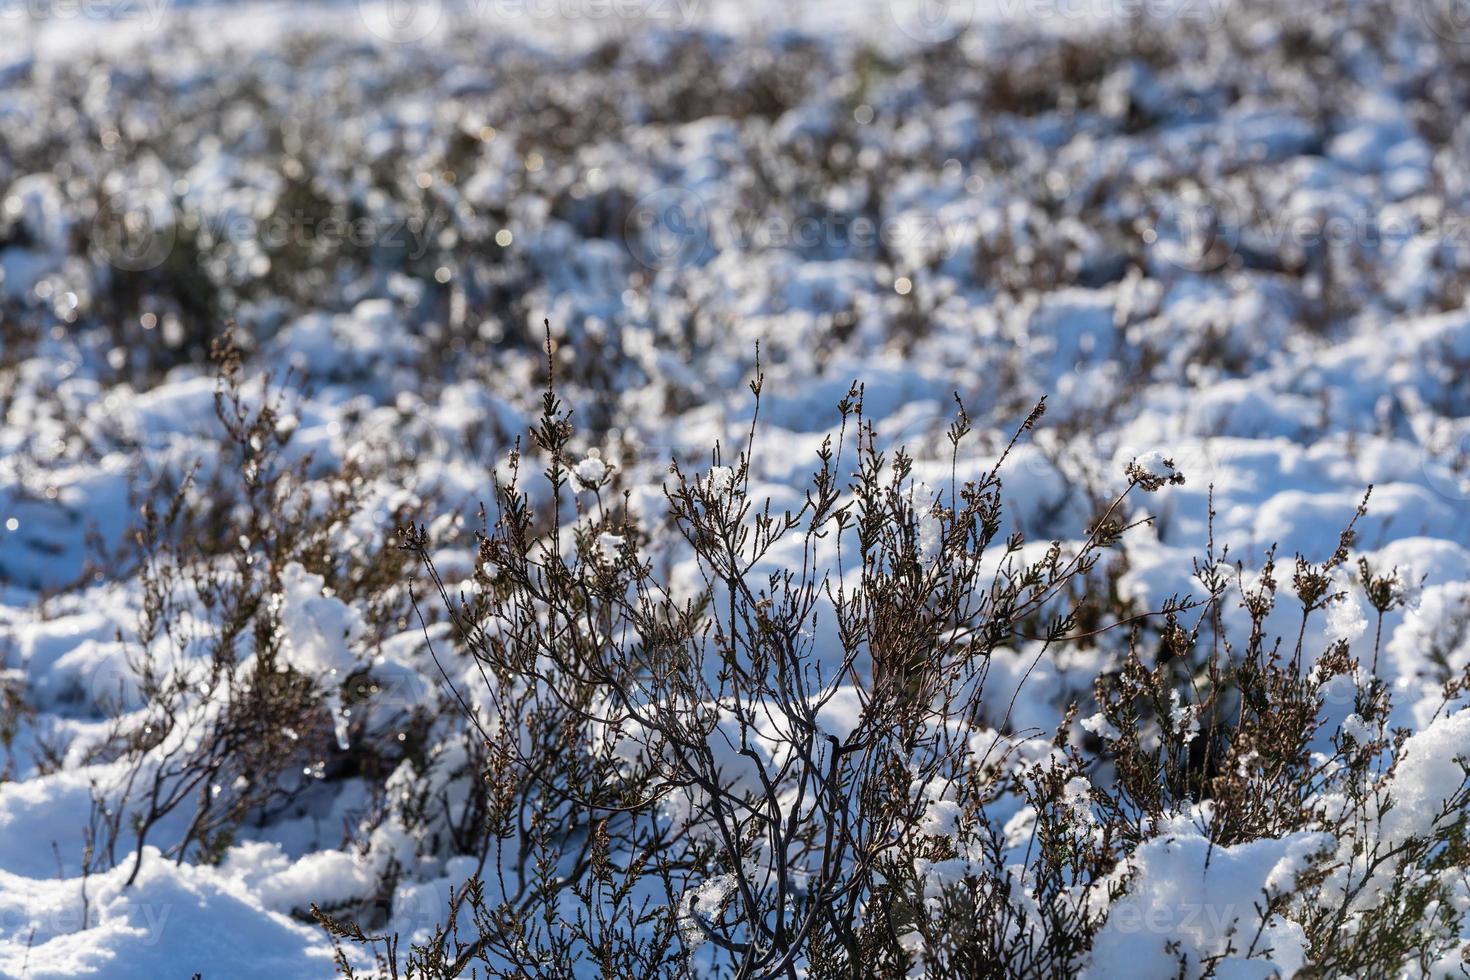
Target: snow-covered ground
[(1237, 239)]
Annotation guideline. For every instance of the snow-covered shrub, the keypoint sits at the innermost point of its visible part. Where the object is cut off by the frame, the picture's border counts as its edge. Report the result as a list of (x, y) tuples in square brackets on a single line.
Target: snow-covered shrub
[(233, 696), (1234, 245), (785, 754)]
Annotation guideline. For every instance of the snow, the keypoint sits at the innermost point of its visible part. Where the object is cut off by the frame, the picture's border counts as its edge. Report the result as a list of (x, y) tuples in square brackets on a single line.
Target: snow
[(170, 919), (719, 480), (958, 250), (1345, 620), (1432, 771), (320, 629), (590, 471), (1190, 902)]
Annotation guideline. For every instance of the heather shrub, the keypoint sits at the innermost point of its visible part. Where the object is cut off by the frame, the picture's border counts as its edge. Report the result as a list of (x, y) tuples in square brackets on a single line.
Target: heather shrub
[(760, 738)]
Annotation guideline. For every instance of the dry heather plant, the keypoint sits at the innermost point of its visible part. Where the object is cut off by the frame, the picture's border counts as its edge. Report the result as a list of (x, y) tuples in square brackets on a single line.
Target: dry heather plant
[(781, 756), (740, 772), (214, 723)]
